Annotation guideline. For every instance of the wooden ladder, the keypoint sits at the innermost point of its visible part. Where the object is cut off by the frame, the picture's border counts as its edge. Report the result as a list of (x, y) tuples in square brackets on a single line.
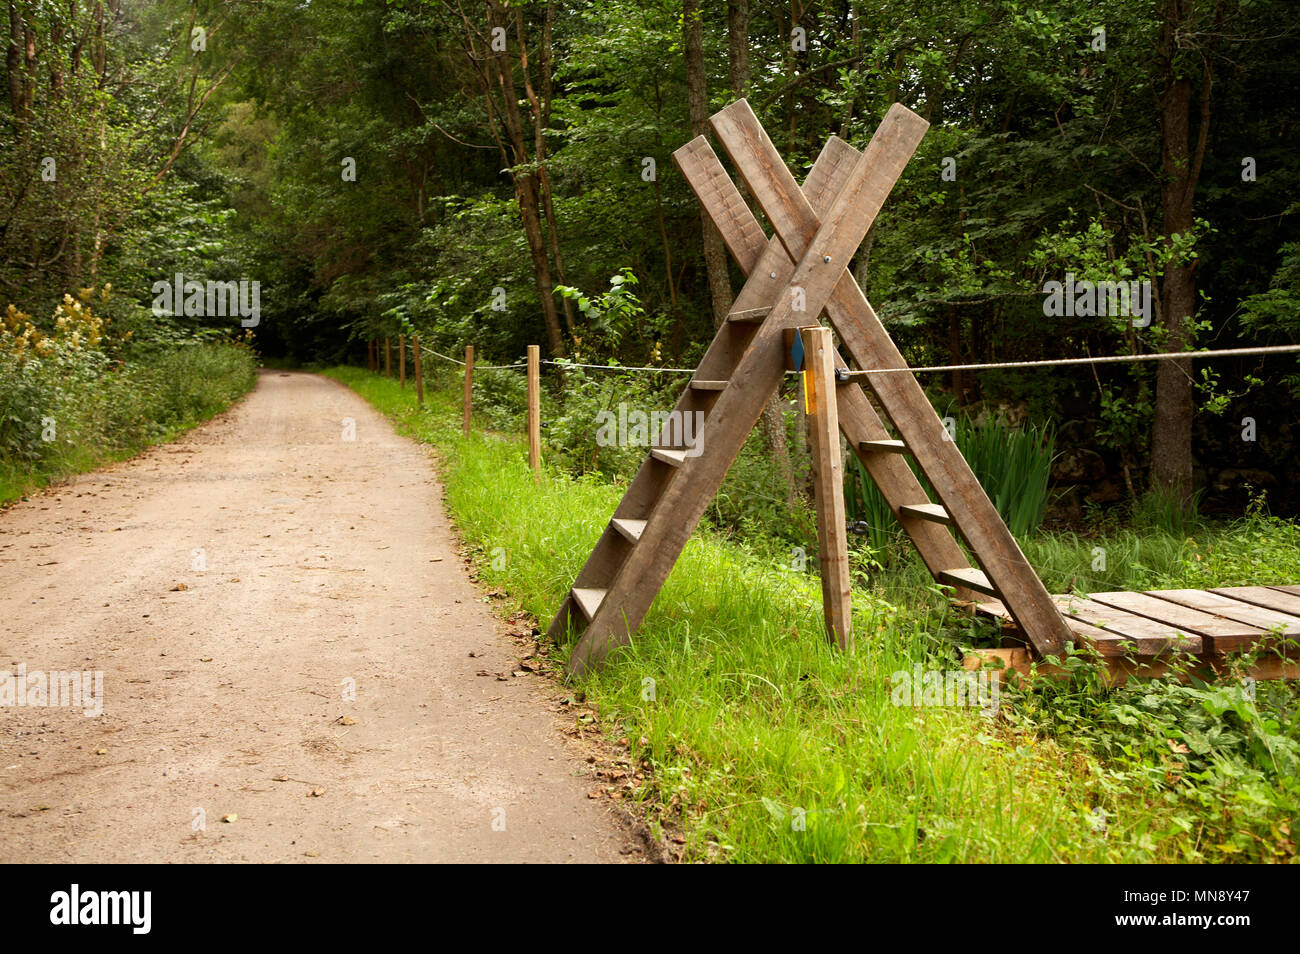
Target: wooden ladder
[(818, 228)]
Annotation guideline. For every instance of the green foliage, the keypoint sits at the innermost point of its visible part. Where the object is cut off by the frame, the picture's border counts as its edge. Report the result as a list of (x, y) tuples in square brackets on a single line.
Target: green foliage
[(93, 411)]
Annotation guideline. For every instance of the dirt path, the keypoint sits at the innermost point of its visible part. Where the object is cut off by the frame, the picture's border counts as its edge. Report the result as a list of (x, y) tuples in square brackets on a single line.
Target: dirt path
[(302, 560)]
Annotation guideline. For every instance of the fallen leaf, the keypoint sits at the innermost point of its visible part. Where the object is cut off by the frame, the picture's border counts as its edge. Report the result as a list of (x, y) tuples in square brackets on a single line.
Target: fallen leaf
[(178, 587), (347, 720), (280, 778), (101, 751), (229, 818), (316, 793)]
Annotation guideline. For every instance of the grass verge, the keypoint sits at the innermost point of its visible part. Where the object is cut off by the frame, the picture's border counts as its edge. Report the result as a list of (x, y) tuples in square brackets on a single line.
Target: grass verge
[(749, 734)]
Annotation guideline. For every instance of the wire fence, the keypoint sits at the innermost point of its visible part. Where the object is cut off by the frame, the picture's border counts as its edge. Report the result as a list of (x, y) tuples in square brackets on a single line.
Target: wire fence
[(990, 366)]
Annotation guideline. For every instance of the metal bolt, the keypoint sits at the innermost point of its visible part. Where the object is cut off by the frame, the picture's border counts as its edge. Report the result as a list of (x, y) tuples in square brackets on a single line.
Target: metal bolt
[(771, 274), (826, 259)]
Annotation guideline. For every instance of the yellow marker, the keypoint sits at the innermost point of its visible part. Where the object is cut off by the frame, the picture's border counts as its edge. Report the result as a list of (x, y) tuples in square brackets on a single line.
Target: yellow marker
[(809, 392)]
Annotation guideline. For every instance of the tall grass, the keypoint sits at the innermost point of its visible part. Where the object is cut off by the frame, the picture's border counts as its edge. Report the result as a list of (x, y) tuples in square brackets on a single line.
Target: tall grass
[(1013, 464)]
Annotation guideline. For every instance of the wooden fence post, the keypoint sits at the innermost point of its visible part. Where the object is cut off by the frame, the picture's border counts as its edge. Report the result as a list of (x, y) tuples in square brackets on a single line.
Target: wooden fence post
[(388, 359), (469, 384), (419, 374), (828, 482), (401, 358), (535, 411)]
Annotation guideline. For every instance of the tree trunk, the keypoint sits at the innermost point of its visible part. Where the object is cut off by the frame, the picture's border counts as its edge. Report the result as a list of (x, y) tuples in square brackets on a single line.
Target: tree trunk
[(1171, 439), (715, 253), (526, 186)]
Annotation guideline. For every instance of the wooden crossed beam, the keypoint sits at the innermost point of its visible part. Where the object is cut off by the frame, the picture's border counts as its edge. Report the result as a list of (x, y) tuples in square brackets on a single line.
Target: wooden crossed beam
[(797, 275)]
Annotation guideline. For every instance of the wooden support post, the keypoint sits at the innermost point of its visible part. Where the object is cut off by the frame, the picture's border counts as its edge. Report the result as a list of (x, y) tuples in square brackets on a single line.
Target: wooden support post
[(828, 482), (535, 411), (388, 359), (370, 354), (469, 384), (419, 374), (401, 358)]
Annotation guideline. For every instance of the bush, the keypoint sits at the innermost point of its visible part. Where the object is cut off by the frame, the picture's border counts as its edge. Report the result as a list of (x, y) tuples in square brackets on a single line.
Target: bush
[(502, 397), (72, 410)]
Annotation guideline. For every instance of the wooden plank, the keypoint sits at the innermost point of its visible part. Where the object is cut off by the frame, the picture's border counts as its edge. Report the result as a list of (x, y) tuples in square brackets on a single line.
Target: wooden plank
[(1118, 671), (828, 484), (768, 178), (588, 600), (1264, 596), (889, 446), (1268, 620), (719, 195), (534, 365), (630, 528), (926, 511), (675, 458), (419, 372), (469, 386), (1219, 634), (1149, 637), (700, 385), (865, 338), (1293, 590), (969, 578), (749, 314), (1085, 634)]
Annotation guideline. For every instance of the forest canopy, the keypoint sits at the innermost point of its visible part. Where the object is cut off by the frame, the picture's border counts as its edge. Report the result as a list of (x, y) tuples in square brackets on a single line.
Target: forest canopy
[(500, 174)]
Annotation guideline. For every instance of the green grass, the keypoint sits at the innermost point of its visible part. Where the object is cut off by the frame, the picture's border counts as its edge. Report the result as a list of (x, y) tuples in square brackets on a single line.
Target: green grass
[(116, 414), (759, 742)]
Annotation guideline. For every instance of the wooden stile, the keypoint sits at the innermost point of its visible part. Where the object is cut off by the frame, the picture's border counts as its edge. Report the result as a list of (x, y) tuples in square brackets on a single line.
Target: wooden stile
[(791, 279)]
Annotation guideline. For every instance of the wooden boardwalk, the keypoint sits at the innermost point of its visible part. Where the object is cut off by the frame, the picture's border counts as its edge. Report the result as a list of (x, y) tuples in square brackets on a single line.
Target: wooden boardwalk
[(1146, 627)]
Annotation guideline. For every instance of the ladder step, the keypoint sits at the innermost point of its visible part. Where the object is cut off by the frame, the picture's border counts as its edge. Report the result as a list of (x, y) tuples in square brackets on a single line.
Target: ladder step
[(926, 511), (631, 529), (970, 578), (674, 458), (750, 314), (883, 447), (588, 600), (700, 385)]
